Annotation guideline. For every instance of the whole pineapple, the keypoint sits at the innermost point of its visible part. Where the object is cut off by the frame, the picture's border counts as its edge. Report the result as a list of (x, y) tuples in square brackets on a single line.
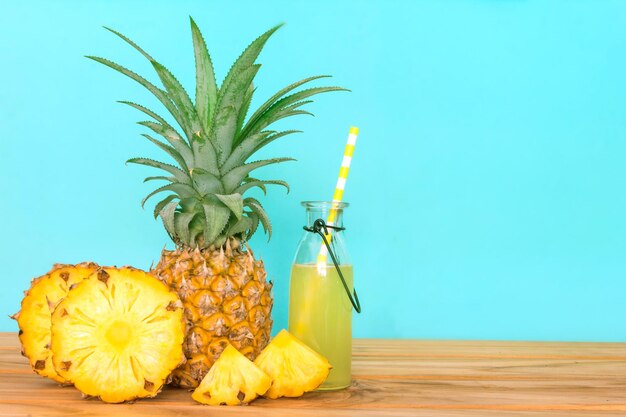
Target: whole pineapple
[(226, 296)]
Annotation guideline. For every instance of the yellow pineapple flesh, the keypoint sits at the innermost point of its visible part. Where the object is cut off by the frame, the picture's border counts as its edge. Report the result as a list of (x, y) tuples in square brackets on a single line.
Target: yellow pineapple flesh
[(226, 299), (232, 380), (34, 317), (294, 367), (118, 335)]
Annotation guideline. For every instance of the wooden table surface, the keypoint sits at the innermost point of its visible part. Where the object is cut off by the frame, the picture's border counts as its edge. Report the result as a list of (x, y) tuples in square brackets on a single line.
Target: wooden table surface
[(391, 378)]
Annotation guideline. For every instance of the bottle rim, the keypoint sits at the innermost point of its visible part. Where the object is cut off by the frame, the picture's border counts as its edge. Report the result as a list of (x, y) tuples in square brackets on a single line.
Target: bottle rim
[(335, 205)]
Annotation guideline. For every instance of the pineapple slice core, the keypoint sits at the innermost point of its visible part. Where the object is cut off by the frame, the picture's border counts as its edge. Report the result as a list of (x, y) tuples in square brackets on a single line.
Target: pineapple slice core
[(118, 335), (294, 367), (232, 380)]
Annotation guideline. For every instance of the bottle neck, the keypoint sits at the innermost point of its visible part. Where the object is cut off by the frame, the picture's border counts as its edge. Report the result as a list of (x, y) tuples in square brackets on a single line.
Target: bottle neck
[(311, 244), (313, 214)]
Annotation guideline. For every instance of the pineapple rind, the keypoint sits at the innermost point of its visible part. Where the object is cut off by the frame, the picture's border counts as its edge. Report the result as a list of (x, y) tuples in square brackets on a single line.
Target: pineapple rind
[(34, 318), (294, 367), (226, 299), (232, 380), (118, 335)]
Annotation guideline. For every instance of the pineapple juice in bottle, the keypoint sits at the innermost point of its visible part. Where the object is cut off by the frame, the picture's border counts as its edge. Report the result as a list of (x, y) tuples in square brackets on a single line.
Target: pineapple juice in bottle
[(326, 325), (320, 308)]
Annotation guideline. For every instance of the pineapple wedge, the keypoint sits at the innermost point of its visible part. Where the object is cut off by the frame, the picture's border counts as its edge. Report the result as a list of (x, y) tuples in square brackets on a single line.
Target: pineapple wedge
[(34, 317), (118, 335), (232, 380), (294, 367)]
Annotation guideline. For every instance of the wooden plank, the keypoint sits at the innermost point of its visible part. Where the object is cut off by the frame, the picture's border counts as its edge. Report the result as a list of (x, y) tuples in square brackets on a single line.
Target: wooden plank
[(392, 378), (491, 349), (452, 348), (391, 393), (437, 368)]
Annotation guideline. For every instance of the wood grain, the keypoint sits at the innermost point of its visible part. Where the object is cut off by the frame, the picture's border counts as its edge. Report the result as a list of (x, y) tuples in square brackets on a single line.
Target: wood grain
[(391, 378)]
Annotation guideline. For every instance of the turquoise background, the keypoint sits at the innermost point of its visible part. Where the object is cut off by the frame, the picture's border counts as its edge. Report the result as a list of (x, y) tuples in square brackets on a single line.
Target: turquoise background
[(488, 185)]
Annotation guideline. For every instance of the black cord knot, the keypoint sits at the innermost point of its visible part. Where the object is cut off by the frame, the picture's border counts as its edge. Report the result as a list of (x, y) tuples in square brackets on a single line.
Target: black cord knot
[(319, 225)]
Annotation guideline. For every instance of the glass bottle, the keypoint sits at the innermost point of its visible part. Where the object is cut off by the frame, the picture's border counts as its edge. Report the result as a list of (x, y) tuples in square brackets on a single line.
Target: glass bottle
[(320, 308)]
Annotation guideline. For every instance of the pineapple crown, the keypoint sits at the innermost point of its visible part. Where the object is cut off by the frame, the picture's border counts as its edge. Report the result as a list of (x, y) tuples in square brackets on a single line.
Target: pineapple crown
[(205, 206)]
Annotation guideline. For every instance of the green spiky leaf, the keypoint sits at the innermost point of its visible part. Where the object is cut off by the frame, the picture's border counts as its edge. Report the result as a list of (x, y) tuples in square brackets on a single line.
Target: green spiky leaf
[(131, 43), (181, 225), (180, 98), (243, 225), (161, 204), (280, 109), (181, 176), (258, 209), (216, 217), (145, 110), (234, 177), (205, 182), (266, 106), (244, 150), (169, 150), (247, 58), (160, 178), (251, 145), (205, 157), (157, 92), (242, 188), (167, 216), (254, 226), (231, 101), (234, 202), (247, 100), (183, 190), (261, 184), (206, 87), (174, 138), (174, 89)]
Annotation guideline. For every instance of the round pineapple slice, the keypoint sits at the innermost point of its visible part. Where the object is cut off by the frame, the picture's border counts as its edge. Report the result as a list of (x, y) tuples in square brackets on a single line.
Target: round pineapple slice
[(34, 317), (294, 367), (118, 335), (232, 380)]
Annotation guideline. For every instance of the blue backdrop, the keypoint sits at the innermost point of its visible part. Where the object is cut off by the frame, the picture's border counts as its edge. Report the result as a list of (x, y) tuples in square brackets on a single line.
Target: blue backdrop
[(487, 187)]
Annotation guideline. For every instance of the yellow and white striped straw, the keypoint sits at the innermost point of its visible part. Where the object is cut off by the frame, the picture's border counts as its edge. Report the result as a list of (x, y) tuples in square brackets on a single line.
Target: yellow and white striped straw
[(338, 195)]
